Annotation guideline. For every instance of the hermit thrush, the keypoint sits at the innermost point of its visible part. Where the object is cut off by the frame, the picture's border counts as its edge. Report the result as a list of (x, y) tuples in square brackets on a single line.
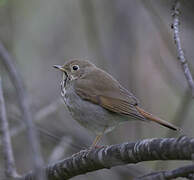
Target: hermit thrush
[(98, 101)]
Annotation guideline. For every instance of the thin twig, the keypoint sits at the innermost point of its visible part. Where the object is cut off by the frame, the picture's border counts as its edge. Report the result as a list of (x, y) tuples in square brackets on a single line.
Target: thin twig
[(185, 171), (180, 52), (61, 149), (10, 168), (107, 157), (24, 105), (40, 115)]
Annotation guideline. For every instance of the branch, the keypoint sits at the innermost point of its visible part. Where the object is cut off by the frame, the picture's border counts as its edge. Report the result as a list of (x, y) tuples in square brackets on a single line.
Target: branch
[(180, 52), (185, 171), (24, 105), (40, 115), (106, 157), (178, 119), (10, 169), (60, 150)]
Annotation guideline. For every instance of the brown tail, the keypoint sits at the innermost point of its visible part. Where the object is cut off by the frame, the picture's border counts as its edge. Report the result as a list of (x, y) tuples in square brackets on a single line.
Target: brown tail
[(156, 119)]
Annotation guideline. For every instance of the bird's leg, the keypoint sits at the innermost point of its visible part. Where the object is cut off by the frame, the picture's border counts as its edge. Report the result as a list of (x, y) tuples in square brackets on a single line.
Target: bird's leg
[(96, 141)]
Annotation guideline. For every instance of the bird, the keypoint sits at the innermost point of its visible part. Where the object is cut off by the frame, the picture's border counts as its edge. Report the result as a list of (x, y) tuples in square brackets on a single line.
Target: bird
[(98, 101)]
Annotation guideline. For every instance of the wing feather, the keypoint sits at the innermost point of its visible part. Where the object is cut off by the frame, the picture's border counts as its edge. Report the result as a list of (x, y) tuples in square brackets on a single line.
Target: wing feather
[(120, 106), (107, 92)]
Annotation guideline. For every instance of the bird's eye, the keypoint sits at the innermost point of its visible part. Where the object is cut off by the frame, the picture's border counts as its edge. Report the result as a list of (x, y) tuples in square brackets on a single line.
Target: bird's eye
[(75, 67)]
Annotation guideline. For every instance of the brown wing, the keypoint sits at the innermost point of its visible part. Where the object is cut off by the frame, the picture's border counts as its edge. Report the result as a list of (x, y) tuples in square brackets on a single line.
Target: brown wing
[(100, 88)]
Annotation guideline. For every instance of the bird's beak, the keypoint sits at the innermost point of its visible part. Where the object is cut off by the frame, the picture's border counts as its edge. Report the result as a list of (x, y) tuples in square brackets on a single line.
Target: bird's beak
[(59, 67)]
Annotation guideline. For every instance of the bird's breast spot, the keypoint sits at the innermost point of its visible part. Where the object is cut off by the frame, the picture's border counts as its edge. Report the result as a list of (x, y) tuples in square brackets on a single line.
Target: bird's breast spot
[(63, 92), (73, 77)]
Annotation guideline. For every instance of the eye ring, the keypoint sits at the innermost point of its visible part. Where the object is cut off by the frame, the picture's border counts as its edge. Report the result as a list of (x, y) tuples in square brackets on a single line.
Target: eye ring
[(75, 67)]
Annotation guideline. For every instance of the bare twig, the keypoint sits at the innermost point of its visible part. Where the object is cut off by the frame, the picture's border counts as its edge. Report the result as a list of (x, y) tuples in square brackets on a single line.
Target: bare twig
[(10, 169), (40, 115), (24, 105), (185, 171), (106, 157), (180, 52), (61, 149)]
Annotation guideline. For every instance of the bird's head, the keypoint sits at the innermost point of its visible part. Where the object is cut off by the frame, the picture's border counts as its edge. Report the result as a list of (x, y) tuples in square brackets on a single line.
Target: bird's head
[(74, 69)]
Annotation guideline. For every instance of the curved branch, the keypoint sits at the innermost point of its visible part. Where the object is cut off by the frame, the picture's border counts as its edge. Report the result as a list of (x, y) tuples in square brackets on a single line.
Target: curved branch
[(10, 169), (185, 171), (180, 52), (24, 106), (106, 157)]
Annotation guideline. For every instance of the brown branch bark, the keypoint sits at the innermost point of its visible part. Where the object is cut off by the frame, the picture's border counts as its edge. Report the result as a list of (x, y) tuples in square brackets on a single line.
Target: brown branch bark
[(106, 157)]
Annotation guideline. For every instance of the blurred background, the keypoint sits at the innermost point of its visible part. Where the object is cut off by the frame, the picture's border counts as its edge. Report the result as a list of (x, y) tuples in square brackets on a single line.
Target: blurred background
[(132, 40)]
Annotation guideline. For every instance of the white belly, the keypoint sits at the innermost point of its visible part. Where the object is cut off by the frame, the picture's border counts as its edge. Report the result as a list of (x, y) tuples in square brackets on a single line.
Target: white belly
[(91, 116)]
